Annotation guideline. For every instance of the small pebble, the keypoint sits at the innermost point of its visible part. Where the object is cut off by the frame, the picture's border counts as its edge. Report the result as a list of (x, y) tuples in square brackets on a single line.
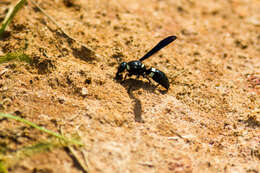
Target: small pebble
[(61, 100), (253, 20), (84, 91)]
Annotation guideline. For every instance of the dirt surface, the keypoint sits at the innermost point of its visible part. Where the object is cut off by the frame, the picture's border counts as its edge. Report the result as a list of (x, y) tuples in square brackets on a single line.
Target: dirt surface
[(208, 121)]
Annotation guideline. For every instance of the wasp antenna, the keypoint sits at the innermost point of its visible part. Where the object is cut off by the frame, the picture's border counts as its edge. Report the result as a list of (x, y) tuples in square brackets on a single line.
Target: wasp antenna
[(159, 46)]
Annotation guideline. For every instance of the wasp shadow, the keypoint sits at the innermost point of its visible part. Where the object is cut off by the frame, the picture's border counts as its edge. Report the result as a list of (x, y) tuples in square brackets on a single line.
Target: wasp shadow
[(132, 85)]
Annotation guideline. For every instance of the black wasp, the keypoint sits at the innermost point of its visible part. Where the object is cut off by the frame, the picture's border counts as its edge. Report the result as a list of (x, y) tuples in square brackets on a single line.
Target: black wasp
[(138, 68)]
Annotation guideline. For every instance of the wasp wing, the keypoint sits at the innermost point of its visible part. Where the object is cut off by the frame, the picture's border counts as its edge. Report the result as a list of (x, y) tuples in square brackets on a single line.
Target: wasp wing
[(159, 46)]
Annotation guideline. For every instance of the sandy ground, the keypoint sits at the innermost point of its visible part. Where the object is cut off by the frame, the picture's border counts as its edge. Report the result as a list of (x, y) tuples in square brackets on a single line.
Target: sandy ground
[(208, 121)]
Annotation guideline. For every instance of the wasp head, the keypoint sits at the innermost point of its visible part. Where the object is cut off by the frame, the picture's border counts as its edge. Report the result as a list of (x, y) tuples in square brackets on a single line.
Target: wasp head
[(120, 69)]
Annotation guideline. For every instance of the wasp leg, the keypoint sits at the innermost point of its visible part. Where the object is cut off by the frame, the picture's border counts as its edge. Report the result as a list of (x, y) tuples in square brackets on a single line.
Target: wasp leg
[(145, 76), (137, 77), (127, 75)]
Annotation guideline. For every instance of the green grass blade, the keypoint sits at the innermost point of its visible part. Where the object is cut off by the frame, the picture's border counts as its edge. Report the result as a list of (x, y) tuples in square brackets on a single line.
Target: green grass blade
[(15, 56), (40, 128), (10, 15), (37, 148), (3, 167)]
